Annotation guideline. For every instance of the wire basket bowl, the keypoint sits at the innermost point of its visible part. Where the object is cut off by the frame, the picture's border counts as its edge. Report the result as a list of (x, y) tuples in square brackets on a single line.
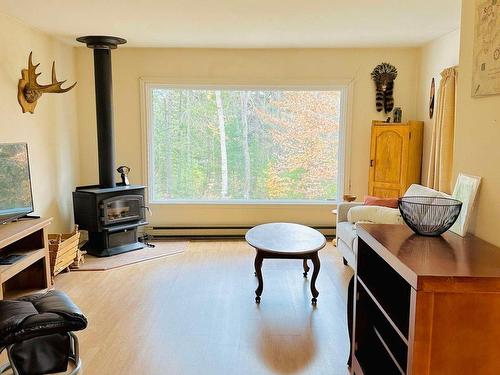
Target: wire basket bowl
[(429, 216)]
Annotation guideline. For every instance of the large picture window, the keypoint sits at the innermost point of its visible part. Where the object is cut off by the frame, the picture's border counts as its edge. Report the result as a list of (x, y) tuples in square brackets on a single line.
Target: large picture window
[(230, 145)]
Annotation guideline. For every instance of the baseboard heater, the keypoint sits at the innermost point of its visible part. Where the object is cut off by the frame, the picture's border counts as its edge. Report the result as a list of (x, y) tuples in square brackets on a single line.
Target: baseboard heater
[(213, 232)]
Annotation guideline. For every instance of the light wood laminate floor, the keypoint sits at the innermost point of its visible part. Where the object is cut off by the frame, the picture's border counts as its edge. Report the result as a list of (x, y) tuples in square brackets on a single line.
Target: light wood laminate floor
[(195, 314)]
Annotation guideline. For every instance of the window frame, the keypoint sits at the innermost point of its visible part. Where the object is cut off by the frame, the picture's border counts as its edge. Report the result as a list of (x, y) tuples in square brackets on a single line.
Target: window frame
[(345, 86)]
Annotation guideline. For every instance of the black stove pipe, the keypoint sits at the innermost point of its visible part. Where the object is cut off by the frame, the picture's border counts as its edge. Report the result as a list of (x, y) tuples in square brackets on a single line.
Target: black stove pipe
[(102, 46)]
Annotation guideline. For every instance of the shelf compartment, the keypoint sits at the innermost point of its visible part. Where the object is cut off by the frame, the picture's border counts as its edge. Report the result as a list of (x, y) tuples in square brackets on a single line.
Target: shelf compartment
[(379, 347), (30, 256), (388, 350), (383, 312), (387, 287)]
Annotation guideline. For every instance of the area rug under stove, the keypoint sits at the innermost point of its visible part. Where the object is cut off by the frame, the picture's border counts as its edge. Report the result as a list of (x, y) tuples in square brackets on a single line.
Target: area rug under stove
[(161, 249)]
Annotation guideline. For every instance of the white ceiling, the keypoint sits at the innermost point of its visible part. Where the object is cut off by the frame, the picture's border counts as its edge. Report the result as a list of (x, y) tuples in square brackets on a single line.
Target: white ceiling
[(244, 23)]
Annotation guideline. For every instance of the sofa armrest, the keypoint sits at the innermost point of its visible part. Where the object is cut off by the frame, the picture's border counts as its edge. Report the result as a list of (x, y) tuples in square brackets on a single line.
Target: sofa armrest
[(343, 208)]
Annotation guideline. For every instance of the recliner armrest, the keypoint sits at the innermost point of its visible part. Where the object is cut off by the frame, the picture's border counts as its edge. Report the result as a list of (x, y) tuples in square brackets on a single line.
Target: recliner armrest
[(343, 208)]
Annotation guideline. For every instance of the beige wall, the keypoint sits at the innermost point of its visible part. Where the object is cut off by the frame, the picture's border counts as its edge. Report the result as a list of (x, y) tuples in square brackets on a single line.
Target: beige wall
[(56, 139), (477, 137), (435, 56), (51, 132), (227, 66)]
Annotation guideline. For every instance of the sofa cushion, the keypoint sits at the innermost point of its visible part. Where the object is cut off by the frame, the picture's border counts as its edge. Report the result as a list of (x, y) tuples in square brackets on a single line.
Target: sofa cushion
[(375, 214), (419, 190)]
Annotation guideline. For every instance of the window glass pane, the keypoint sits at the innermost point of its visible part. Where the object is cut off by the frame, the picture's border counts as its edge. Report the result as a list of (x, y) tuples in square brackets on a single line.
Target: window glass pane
[(251, 145)]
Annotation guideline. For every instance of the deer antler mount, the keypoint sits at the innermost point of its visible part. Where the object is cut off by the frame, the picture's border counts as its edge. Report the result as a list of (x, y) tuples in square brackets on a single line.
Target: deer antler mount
[(29, 90)]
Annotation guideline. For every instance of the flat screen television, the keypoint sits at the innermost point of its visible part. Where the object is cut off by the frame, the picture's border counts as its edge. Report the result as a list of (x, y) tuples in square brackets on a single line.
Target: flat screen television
[(16, 199)]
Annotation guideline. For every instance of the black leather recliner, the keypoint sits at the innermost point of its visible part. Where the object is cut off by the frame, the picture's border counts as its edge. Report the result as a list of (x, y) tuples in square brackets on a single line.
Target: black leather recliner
[(37, 331)]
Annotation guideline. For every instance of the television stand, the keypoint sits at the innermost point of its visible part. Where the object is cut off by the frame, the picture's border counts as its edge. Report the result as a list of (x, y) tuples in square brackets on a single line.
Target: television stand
[(32, 272), (30, 217)]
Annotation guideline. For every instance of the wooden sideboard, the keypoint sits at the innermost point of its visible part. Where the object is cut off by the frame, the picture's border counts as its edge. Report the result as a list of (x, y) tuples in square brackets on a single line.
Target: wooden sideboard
[(425, 305), (26, 237)]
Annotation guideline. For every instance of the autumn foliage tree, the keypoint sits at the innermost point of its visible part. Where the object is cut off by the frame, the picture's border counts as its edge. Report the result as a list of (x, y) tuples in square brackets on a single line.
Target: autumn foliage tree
[(305, 134), (252, 144)]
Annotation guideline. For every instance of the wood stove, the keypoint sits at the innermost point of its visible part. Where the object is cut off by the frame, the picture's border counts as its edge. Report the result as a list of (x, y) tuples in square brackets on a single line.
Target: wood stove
[(110, 212), (111, 216)]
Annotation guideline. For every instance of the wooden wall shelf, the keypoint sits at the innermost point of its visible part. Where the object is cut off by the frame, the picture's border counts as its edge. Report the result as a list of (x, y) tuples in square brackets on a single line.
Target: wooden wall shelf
[(26, 237), (425, 305)]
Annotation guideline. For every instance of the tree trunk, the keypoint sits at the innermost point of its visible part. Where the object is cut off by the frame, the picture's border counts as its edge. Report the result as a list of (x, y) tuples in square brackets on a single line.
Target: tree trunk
[(222, 136), (246, 154), (181, 171), (187, 119), (169, 146)]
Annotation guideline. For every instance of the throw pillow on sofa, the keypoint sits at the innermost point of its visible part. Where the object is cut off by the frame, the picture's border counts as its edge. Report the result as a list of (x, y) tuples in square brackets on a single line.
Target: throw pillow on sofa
[(371, 200)]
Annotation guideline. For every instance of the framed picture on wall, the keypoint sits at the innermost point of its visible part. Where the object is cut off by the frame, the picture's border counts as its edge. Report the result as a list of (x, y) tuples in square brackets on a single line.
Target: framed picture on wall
[(486, 51), (465, 191)]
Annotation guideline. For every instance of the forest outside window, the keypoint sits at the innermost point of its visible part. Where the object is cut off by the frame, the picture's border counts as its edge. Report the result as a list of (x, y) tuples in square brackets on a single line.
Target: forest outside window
[(240, 145)]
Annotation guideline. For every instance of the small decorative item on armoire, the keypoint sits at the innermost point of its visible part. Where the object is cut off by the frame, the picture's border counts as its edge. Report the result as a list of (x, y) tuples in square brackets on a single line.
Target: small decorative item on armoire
[(397, 114)]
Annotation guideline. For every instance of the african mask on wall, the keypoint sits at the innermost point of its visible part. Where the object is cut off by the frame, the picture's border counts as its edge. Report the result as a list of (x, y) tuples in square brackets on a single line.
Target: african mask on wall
[(384, 75)]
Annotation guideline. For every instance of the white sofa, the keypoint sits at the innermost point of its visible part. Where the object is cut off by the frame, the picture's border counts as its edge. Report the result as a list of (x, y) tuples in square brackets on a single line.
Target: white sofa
[(347, 239)]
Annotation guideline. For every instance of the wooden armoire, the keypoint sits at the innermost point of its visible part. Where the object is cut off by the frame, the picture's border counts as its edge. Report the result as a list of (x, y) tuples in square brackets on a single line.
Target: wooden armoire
[(395, 157)]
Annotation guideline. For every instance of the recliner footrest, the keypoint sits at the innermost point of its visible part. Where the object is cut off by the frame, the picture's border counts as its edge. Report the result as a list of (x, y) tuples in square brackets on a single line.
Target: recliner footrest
[(37, 331), (38, 315)]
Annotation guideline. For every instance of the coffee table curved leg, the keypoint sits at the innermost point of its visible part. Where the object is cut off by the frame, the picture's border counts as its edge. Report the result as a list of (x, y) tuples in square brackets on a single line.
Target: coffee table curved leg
[(317, 266), (306, 268), (258, 273)]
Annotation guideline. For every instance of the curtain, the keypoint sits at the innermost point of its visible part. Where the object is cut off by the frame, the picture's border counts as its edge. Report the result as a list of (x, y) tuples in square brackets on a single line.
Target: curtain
[(441, 156)]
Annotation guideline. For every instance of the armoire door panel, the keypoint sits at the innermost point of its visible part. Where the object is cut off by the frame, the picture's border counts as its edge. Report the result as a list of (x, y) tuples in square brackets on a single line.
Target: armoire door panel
[(388, 156), (386, 193)]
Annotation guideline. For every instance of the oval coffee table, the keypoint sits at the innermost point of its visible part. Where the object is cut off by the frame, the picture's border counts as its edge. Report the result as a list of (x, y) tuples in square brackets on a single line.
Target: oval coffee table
[(286, 241)]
